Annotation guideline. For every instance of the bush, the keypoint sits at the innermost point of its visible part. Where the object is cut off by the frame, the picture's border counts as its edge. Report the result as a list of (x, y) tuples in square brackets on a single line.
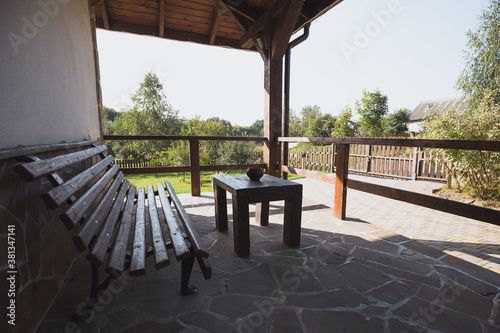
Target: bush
[(475, 172)]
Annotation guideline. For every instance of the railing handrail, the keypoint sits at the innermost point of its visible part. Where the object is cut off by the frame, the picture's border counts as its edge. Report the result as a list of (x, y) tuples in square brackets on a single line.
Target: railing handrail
[(184, 137), (424, 143)]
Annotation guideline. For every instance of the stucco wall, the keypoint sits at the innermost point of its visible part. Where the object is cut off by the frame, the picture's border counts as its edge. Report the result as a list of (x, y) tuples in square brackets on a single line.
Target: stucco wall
[(47, 73), (47, 95)]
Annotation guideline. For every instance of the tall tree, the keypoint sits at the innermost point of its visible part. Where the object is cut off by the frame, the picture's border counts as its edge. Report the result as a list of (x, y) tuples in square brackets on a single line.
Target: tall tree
[(372, 108), (150, 114), (481, 75), (396, 123), (344, 125)]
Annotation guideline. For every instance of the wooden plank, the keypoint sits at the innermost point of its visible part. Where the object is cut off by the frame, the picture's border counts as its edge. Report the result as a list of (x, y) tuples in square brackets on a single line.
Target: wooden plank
[(160, 250), (445, 144), (184, 137), (104, 14), (340, 199), (138, 261), (194, 162), (161, 19), (215, 23), (36, 149), (181, 249), (117, 258), (100, 247), (444, 205), (75, 212), (58, 195), (93, 223), (186, 221)]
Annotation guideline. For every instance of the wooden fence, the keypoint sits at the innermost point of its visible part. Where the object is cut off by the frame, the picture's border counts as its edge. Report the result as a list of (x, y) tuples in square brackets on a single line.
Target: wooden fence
[(142, 163), (377, 160)]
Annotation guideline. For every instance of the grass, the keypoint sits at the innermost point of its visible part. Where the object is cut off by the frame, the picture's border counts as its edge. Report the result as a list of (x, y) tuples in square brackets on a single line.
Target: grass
[(182, 181)]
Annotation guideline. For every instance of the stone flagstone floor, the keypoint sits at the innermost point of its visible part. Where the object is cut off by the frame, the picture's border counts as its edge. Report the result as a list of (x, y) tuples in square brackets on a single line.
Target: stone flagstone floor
[(370, 273)]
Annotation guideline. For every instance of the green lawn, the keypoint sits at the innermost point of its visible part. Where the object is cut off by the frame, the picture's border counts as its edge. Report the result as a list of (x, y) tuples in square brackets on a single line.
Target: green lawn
[(182, 182)]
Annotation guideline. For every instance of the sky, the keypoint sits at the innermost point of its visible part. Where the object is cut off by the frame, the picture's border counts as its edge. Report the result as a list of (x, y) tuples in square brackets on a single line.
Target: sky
[(411, 50)]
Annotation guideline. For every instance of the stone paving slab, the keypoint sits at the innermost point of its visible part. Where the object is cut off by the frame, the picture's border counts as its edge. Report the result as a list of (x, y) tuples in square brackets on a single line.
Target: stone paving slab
[(347, 276)]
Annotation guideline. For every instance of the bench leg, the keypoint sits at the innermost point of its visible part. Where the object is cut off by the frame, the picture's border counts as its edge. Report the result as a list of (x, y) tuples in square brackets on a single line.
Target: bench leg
[(187, 268)]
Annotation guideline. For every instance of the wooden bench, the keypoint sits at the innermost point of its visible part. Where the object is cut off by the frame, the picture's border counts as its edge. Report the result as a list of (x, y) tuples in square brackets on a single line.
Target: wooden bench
[(118, 224)]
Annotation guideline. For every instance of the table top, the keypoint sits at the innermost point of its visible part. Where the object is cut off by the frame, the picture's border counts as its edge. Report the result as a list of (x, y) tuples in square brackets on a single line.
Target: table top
[(242, 182)]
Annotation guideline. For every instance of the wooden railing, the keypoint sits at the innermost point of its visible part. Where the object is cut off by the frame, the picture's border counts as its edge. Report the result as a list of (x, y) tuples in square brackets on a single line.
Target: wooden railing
[(194, 166), (342, 183), (378, 160)]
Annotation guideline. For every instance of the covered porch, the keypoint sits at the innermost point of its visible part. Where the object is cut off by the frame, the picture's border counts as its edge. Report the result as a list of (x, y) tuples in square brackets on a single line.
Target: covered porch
[(389, 267)]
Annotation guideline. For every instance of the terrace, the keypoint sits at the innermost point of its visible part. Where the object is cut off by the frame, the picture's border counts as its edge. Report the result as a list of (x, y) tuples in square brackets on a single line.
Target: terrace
[(371, 257), (389, 267)]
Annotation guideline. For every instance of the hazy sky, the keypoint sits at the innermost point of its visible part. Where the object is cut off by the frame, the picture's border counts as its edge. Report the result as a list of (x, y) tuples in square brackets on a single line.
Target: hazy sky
[(412, 50)]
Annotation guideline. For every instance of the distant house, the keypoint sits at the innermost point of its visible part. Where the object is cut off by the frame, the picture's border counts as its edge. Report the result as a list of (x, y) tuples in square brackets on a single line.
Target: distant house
[(433, 106)]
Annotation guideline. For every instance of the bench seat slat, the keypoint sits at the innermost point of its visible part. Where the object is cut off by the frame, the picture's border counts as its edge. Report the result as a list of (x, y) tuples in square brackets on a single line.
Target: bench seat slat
[(93, 223), (59, 194), (138, 262), (100, 247), (117, 259), (34, 170), (181, 249), (75, 213), (160, 250), (192, 235)]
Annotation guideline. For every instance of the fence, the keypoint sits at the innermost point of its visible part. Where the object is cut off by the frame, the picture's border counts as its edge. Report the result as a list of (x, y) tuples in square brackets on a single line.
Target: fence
[(378, 160), (142, 163)]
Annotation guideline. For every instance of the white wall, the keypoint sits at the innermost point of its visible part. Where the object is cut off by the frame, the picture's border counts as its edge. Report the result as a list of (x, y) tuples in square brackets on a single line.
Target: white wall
[(47, 73)]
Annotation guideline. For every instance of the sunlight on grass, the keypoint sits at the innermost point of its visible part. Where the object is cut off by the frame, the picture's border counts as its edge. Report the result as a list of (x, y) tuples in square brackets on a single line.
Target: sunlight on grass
[(182, 181)]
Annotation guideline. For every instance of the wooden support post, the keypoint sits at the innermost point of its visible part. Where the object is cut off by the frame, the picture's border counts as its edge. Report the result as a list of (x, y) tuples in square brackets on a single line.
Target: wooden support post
[(341, 172), (369, 161), (414, 166), (272, 115), (194, 162)]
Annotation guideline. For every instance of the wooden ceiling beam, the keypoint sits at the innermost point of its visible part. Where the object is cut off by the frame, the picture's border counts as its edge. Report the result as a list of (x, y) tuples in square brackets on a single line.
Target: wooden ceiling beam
[(245, 10), (312, 11), (161, 22), (215, 22), (285, 29), (242, 21), (104, 13), (275, 9)]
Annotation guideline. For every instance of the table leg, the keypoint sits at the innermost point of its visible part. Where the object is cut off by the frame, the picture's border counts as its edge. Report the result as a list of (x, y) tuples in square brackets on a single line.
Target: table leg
[(292, 221), (220, 208), (262, 213), (241, 226)]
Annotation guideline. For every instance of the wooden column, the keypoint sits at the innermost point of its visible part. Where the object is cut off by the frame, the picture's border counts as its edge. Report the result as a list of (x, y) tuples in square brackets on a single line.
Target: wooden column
[(194, 162), (272, 115), (341, 166)]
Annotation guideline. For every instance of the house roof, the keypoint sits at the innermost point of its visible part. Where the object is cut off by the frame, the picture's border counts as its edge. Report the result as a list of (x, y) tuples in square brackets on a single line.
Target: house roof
[(436, 106), (228, 23)]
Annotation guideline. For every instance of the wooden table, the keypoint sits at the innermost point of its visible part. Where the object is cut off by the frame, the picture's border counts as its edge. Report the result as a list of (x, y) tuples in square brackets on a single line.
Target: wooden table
[(244, 192)]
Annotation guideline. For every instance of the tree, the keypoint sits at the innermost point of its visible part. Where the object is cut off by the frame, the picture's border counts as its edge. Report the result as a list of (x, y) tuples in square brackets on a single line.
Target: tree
[(309, 117), (372, 108), (344, 125), (477, 172), (150, 114), (396, 123), (321, 126), (481, 75)]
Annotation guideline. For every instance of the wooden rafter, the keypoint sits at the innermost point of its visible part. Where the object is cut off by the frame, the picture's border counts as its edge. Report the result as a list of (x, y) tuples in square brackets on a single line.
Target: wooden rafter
[(215, 22), (241, 20), (275, 9), (161, 22), (104, 13), (285, 28)]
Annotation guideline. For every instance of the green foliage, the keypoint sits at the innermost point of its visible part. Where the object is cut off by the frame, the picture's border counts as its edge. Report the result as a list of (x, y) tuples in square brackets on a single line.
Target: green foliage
[(311, 123), (344, 125), (372, 108), (481, 75), (396, 123), (150, 114), (477, 172)]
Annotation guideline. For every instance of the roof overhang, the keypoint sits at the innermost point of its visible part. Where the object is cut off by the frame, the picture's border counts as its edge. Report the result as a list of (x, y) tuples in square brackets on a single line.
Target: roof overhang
[(228, 23)]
